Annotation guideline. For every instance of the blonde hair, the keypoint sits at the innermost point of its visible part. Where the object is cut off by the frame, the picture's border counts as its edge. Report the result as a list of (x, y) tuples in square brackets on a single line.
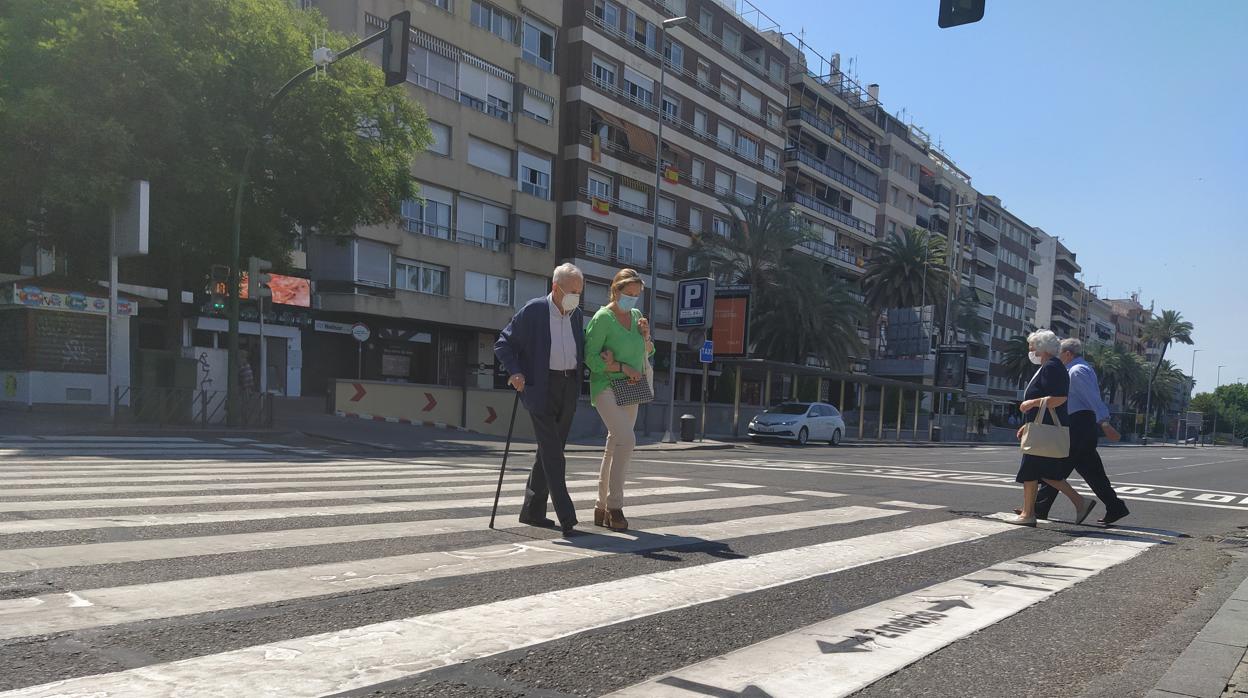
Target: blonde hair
[(623, 279)]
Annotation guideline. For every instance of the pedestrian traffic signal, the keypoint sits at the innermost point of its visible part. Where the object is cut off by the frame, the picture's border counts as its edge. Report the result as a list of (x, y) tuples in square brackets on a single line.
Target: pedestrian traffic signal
[(957, 12), (218, 287), (394, 48), (257, 279)]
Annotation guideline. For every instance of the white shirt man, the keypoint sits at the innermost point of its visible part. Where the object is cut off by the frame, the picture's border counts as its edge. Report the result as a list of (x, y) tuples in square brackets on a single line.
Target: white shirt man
[(562, 341)]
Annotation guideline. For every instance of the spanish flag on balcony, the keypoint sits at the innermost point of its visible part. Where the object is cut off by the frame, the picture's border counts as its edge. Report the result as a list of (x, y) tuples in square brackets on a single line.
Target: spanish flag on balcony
[(595, 149), (601, 206), (671, 174)]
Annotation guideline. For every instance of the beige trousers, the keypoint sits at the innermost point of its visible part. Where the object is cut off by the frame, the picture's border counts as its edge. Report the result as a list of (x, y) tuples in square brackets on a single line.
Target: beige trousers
[(619, 450)]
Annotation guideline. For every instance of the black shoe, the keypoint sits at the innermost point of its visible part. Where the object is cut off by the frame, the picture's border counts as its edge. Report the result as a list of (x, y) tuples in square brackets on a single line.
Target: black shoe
[(1110, 518), (540, 523), (568, 528)]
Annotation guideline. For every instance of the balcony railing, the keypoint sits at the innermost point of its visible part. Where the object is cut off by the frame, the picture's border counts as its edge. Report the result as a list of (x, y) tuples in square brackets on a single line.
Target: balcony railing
[(485, 107), (441, 232), (808, 159), (622, 94), (617, 203), (837, 135), (535, 190), (823, 250), (603, 253), (821, 208)]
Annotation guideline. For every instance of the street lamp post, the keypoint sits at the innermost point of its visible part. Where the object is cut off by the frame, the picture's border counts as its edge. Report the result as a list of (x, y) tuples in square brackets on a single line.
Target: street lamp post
[(654, 241), (1191, 392), (1216, 385)]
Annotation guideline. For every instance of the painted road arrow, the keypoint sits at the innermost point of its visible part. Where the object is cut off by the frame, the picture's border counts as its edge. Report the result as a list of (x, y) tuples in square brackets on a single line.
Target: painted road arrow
[(432, 403), (856, 649), (359, 392), (492, 416), (708, 690)]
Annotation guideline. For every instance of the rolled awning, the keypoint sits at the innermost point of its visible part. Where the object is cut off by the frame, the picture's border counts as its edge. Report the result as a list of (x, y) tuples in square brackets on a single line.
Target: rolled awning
[(640, 141), (983, 297)]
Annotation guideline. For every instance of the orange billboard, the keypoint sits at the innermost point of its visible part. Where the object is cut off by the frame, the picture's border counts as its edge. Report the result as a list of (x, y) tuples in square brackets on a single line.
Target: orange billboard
[(730, 329), (287, 290)]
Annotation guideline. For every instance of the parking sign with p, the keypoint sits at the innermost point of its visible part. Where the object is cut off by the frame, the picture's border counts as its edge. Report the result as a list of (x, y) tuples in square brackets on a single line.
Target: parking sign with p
[(694, 303)]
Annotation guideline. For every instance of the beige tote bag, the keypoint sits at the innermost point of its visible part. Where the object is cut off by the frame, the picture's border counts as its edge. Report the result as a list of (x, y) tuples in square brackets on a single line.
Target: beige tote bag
[(1046, 440)]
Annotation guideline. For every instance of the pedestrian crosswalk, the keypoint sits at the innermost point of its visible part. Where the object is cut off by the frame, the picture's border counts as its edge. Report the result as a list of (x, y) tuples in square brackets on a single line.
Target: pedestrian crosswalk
[(137, 550)]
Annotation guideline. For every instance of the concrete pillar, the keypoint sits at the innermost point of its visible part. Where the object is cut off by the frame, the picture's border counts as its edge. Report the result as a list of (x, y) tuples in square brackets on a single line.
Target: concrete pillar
[(879, 431)]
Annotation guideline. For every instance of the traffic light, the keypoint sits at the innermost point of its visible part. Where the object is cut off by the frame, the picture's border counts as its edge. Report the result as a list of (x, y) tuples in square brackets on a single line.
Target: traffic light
[(218, 287), (257, 279), (957, 12), (394, 48)]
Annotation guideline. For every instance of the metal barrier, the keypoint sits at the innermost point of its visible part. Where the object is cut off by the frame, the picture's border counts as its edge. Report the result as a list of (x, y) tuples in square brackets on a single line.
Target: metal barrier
[(187, 407)]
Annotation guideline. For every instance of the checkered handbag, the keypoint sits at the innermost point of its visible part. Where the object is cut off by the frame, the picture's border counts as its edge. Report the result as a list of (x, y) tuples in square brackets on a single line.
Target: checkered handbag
[(627, 393)]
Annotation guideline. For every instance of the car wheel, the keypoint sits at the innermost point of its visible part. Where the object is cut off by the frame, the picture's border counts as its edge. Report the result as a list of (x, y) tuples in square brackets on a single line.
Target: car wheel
[(803, 436), (836, 438)]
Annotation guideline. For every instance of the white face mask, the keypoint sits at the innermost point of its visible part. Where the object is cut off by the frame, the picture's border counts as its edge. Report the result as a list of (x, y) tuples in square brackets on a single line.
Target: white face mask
[(570, 302), (1034, 357), (626, 302)]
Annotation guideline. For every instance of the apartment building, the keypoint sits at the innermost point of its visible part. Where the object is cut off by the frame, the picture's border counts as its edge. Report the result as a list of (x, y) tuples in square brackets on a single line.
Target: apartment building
[(1130, 318), (722, 104), (435, 289), (1015, 303), (1096, 317), (1058, 303)]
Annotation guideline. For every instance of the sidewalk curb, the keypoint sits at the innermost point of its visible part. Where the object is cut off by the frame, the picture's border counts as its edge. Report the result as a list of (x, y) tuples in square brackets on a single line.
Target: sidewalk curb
[(526, 447), (1205, 668)]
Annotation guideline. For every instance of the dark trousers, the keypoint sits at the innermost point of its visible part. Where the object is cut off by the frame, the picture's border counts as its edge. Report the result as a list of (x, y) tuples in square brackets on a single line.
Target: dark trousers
[(549, 475), (1087, 462)]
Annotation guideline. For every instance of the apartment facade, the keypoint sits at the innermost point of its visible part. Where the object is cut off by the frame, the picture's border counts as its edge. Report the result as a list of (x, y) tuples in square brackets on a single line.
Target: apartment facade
[(722, 105), (480, 240), (1016, 302)]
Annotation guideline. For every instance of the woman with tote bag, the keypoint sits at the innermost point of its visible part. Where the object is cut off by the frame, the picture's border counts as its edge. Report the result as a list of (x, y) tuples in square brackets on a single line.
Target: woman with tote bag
[(617, 351), (1044, 435)]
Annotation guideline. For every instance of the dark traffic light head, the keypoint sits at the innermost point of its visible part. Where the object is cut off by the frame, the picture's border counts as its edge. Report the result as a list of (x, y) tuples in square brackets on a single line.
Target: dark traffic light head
[(957, 12)]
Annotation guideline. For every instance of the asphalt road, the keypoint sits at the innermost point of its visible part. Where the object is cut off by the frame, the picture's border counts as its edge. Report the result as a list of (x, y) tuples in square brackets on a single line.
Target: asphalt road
[(228, 568)]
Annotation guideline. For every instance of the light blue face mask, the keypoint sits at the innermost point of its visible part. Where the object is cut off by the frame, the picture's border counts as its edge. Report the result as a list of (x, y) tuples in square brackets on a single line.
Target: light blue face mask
[(627, 302)]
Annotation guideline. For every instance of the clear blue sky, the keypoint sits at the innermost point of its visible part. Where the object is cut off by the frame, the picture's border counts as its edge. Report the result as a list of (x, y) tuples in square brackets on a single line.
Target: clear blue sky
[(1120, 126)]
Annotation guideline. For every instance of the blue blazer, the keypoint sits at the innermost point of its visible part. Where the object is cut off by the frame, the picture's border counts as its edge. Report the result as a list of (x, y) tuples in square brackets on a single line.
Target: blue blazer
[(524, 347)]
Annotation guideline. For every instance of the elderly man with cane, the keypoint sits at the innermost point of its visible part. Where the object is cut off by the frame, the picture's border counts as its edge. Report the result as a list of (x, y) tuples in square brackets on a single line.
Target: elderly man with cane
[(1088, 415), (542, 350)]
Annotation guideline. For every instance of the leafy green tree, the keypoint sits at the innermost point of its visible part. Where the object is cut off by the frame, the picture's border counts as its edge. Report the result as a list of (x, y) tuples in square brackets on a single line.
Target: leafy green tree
[(99, 92)]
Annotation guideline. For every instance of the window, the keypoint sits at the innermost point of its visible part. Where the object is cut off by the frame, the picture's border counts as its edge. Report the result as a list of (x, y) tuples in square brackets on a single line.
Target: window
[(421, 277), (597, 241), (493, 20), (746, 188), (642, 32), (604, 72), (671, 107), (489, 157), (599, 185), (909, 204), (892, 228), (896, 196), (723, 181), (608, 12), (752, 101), (485, 92), (595, 296), (537, 108), (719, 226), (484, 288), (697, 171), (638, 86), (695, 220), (534, 175), (699, 121), (771, 159), (775, 115), (663, 309), (634, 199), (631, 248), (532, 233), (529, 286), (775, 68), (431, 217), (704, 72), (666, 259), (444, 4), (896, 162), (674, 53), (732, 39), (538, 44), (441, 144), (726, 136), (372, 264), (704, 21), (667, 209), (747, 147), (914, 172), (432, 71), (481, 224), (727, 88)]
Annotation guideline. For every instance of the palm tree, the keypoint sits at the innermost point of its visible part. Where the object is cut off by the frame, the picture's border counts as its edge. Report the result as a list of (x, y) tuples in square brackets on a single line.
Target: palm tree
[(965, 315), (1167, 328), (1017, 364), (899, 267), (811, 314), (1157, 395), (758, 236)]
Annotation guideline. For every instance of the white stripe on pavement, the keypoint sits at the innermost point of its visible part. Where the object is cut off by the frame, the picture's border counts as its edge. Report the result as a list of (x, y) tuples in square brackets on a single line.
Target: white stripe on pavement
[(226, 468), (911, 505), (146, 502), (817, 493), (344, 660), (145, 489), (167, 548), (852, 651), (93, 608), (736, 485), (325, 473), (310, 511)]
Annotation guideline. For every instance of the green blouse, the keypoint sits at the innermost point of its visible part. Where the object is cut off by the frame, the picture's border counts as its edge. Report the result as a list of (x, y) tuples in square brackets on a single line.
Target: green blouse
[(605, 332)]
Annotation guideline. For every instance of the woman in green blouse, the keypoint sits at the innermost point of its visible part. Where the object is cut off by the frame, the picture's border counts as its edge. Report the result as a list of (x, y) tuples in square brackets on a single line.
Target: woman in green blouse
[(617, 345)]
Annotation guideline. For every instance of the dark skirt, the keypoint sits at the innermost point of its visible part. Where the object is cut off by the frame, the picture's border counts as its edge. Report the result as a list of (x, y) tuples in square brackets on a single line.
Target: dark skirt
[(1040, 468)]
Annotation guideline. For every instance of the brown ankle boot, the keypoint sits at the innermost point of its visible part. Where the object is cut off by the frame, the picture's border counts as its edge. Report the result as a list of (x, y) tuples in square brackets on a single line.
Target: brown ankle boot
[(616, 520), (600, 516)]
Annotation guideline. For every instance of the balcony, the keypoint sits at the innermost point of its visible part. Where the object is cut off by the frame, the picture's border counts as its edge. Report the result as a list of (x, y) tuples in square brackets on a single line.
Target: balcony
[(836, 134), (984, 311), (620, 257), (1033, 280), (977, 364), (985, 284), (622, 205), (823, 209), (839, 256), (985, 256), (497, 243), (1030, 303), (1065, 299), (807, 158), (1065, 278)]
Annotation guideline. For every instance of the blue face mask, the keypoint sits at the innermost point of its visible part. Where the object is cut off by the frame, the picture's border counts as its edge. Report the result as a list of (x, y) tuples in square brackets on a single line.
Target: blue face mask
[(627, 302)]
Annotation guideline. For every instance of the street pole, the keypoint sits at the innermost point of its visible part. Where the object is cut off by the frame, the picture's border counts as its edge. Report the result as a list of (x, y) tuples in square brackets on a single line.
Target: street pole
[(654, 239), (264, 364), (111, 322), (1215, 406)]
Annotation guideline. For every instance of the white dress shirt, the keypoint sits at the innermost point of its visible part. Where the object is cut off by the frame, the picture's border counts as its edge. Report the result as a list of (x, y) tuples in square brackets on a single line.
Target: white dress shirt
[(562, 342)]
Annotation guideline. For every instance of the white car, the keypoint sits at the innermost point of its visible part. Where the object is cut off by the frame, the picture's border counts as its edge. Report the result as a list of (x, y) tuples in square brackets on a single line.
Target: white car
[(800, 422)]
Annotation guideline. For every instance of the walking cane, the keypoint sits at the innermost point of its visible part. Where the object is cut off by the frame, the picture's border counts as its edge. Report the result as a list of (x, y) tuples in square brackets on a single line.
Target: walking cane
[(506, 450)]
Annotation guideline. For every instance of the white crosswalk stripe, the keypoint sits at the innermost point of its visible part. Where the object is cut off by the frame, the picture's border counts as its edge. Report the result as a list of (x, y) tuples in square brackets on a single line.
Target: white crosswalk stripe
[(287, 533)]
